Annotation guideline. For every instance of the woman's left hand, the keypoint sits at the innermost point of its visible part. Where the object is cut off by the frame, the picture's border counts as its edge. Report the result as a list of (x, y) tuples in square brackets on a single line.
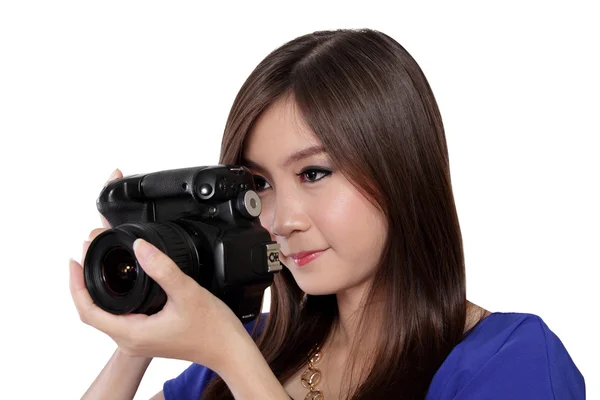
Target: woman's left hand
[(194, 325)]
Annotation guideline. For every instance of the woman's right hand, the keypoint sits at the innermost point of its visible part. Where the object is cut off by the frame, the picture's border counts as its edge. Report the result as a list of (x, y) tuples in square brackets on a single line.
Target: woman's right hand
[(117, 174), (122, 375)]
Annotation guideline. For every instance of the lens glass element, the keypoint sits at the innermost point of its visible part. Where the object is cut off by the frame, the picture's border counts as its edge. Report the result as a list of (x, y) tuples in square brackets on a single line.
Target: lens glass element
[(119, 271)]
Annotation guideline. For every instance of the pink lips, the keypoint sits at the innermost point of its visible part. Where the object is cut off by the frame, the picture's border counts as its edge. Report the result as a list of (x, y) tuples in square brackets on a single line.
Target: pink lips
[(305, 257)]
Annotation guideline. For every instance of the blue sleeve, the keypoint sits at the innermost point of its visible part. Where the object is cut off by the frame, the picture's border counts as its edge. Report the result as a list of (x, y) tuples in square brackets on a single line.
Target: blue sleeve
[(190, 384), (532, 364)]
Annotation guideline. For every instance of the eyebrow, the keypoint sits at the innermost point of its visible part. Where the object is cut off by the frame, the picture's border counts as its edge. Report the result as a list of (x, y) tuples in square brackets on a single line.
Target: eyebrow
[(297, 156)]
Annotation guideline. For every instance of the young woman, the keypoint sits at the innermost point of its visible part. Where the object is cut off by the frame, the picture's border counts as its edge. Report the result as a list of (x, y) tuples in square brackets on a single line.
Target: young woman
[(346, 142)]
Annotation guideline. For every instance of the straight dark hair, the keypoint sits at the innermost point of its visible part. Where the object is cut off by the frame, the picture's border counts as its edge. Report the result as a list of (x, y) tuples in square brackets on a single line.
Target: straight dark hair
[(368, 102)]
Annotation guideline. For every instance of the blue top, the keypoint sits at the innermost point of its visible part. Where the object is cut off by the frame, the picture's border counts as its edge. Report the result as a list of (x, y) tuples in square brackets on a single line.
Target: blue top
[(506, 356)]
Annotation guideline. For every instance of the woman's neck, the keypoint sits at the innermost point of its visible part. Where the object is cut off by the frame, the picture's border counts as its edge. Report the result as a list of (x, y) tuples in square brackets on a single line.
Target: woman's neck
[(349, 304)]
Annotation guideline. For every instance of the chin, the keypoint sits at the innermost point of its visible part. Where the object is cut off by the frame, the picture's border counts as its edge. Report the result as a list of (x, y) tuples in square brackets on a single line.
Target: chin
[(319, 292), (318, 289)]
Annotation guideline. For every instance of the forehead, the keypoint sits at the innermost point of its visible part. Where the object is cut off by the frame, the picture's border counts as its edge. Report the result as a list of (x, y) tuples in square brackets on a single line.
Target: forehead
[(278, 132)]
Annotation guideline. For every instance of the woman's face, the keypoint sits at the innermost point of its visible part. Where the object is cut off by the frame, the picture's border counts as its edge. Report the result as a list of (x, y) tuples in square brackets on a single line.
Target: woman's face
[(308, 206)]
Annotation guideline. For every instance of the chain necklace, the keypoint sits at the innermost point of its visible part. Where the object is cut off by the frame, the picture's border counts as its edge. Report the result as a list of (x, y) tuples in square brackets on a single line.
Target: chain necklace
[(312, 376)]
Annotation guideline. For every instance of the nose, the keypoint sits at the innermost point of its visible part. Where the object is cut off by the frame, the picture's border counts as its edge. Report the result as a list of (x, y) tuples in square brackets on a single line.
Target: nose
[(288, 215)]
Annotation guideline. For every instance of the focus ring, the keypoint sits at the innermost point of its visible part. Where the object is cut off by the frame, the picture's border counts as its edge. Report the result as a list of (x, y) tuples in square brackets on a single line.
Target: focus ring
[(174, 244)]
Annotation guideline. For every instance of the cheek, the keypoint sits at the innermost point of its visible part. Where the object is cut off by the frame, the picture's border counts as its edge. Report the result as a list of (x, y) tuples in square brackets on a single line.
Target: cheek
[(335, 210), (334, 218), (266, 223), (352, 225), (266, 217)]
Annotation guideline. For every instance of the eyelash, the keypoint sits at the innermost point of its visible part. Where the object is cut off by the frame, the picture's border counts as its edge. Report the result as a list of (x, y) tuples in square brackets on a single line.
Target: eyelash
[(319, 170)]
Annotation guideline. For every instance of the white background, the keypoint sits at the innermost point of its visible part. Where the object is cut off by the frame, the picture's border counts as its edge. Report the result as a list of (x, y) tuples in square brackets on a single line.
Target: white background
[(86, 87)]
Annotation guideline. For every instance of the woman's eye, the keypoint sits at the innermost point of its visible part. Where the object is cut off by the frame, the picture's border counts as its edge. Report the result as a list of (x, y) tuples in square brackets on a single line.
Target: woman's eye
[(308, 175), (314, 174), (260, 183)]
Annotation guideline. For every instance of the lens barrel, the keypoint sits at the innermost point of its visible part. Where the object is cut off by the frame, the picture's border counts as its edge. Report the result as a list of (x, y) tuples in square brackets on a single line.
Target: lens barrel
[(116, 281)]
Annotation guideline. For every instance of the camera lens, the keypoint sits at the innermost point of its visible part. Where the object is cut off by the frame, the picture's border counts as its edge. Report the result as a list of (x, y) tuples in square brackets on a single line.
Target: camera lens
[(118, 284), (119, 271)]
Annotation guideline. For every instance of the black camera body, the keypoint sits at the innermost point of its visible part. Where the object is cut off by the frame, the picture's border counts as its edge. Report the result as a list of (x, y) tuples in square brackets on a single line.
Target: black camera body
[(204, 218)]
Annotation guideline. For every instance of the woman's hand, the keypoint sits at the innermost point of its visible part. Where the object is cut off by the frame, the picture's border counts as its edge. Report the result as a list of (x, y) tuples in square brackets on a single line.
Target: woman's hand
[(194, 325)]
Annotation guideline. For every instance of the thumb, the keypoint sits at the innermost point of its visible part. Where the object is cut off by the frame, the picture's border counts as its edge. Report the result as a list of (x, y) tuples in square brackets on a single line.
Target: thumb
[(161, 268)]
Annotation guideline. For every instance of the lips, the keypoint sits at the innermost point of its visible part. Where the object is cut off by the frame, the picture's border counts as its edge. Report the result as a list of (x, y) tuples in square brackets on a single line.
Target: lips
[(302, 254), (304, 257)]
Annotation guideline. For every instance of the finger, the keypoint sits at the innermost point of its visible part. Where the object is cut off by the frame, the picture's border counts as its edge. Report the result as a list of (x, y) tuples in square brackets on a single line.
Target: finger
[(86, 243), (104, 222), (162, 269), (86, 246), (95, 232), (88, 311), (116, 174)]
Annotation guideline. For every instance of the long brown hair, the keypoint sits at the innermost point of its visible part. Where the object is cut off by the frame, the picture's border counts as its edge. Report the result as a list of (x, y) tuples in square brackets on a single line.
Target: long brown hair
[(369, 103)]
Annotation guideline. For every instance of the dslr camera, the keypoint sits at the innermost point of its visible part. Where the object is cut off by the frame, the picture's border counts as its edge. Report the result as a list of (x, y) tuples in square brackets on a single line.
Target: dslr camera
[(204, 218)]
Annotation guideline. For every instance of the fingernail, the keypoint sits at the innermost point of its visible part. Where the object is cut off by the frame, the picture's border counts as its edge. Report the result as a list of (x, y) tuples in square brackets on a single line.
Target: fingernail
[(143, 249), (113, 175)]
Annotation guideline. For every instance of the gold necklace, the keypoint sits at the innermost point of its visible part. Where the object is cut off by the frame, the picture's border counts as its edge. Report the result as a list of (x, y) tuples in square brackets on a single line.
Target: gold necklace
[(312, 376)]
